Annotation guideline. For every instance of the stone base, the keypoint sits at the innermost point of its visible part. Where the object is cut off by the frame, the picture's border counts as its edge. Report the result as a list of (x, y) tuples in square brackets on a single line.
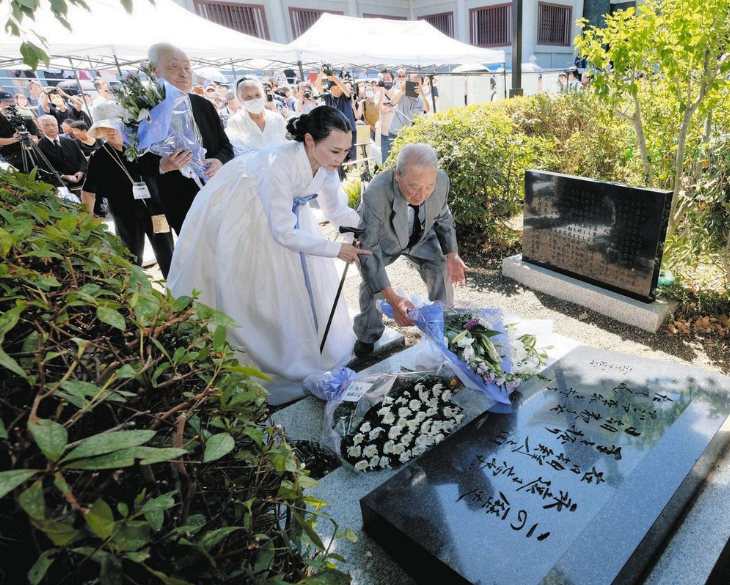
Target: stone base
[(647, 316)]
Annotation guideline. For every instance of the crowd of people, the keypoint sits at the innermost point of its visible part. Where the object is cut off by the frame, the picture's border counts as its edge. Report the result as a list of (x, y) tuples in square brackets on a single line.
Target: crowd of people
[(246, 237)]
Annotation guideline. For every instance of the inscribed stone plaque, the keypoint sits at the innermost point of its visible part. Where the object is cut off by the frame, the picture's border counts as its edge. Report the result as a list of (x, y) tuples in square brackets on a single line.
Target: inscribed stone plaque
[(580, 485), (608, 234)]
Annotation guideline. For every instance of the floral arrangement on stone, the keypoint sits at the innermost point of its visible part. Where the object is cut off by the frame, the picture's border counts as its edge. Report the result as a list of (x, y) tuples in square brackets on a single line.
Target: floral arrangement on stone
[(415, 415)]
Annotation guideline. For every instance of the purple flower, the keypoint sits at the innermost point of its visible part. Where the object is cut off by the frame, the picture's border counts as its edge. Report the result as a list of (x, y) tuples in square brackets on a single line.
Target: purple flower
[(471, 324)]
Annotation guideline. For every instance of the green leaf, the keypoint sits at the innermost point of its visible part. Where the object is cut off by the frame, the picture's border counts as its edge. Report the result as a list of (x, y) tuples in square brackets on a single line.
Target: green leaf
[(111, 317), (313, 536), (100, 519), (166, 580), (41, 566), (31, 500), (219, 338), (155, 519), (327, 577), (214, 537), (160, 503), (3, 430), (10, 364), (218, 446), (125, 372), (50, 436), (59, 532), (68, 223), (111, 570), (108, 442), (127, 457), (9, 480)]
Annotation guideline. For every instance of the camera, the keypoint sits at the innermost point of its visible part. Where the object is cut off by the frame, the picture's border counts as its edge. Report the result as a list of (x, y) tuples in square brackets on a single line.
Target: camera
[(381, 83), (307, 95), (270, 97), (327, 69), (17, 121)]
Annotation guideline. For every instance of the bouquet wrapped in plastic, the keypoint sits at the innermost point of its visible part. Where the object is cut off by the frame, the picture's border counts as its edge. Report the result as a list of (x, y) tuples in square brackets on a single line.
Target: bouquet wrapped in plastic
[(475, 343), (384, 420), (158, 118)]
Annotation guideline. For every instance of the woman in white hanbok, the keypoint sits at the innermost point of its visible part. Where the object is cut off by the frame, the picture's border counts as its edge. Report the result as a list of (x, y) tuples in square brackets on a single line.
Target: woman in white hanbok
[(253, 249)]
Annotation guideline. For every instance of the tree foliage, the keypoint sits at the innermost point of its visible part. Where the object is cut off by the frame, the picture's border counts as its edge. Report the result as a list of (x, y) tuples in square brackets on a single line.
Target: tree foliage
[(672, 52), (133, 445)]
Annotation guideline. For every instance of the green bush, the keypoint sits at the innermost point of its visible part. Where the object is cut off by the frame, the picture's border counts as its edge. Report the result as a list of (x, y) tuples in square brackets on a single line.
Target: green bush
[(134, 447), (486, 149)]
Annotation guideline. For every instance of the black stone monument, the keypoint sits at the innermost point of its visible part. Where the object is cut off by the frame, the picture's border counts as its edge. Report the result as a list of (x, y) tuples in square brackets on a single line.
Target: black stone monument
[(607, 234), (580, 485)]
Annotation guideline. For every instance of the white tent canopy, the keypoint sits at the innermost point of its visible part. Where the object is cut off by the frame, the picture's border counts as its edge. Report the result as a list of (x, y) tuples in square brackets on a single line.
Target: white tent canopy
[(108, 32), (346, 40)]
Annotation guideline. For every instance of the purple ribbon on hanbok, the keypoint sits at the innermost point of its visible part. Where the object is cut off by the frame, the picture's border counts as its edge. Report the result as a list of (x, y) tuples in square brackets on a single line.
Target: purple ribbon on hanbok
[(298, 202)]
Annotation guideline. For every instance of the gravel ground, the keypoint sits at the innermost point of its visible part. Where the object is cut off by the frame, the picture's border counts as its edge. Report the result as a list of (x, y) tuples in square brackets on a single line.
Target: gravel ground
[(488, 288)]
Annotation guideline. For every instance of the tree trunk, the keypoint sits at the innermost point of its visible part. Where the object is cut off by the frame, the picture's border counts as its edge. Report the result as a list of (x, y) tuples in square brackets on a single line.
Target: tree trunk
[(641, 141)]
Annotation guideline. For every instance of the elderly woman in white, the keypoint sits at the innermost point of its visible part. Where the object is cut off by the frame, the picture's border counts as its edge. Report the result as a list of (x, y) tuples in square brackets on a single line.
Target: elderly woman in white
[(255, 125)]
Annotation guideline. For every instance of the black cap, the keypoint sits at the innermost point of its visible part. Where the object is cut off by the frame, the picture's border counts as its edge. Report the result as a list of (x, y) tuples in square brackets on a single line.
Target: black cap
[(4, 96)]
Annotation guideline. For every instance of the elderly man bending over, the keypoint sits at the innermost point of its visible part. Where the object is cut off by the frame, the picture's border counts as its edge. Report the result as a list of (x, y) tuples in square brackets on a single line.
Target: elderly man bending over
[(405, 212)]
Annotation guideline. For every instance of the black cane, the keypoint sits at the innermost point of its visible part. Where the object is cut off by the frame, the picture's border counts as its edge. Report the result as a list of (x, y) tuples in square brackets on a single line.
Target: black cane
[(343, 230)]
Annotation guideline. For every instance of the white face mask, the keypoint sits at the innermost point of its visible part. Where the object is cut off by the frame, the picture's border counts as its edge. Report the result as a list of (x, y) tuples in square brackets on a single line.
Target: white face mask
[(254, 106)]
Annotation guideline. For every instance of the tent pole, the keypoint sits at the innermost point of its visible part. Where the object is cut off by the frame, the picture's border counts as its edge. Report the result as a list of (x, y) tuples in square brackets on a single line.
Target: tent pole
[(433, 97), (116, 62), (301, 70), (81, 91)]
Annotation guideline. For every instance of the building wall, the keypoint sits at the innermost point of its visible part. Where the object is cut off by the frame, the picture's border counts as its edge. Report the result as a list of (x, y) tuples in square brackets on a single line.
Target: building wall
[(279, 23)]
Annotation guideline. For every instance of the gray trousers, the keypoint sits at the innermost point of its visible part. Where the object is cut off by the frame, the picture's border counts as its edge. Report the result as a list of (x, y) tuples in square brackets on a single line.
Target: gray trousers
[(369, 326)]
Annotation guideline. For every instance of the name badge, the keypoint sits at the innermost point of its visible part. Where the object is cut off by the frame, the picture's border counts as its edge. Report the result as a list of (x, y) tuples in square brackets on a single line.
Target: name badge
[(160, 225), (140, 190)]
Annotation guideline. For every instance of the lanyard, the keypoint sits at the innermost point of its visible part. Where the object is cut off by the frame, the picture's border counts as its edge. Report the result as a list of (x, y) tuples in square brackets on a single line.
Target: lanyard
[(115, 157)]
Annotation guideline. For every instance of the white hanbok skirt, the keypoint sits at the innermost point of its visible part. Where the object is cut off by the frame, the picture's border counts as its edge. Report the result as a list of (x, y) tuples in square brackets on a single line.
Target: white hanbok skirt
[(226, 252)]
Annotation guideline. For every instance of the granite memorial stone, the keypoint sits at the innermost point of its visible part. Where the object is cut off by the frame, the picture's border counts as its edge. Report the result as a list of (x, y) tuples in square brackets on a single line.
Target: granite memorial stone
[(580, 485), (607, 234)]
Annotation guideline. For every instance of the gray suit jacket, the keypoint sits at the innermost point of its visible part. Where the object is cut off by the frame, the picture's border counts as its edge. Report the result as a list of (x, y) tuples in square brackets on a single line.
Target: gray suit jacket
[(384, 217)]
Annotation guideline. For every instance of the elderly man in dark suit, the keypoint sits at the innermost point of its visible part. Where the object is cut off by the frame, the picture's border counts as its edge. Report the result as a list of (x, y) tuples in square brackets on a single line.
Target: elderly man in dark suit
[(177, 192), (63, 153), (405, 211)]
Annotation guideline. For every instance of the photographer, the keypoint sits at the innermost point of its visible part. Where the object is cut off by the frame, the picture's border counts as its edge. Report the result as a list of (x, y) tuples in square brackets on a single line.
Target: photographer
[(387, 92), (408, 107), (60, 105), (338, 97), (12, 124), (306, 100)]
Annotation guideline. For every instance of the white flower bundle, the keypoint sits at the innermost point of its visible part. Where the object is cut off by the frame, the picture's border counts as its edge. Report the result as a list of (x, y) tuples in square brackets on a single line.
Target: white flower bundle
[(403, 426)]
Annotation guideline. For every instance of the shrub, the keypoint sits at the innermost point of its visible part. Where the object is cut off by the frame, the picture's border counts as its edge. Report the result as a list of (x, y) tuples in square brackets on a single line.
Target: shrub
[(486, 149), (133, 446)]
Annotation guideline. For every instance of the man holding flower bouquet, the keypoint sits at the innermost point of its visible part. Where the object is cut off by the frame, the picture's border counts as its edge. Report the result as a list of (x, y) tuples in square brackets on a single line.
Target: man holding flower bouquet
[(404, 211), (176, 190)]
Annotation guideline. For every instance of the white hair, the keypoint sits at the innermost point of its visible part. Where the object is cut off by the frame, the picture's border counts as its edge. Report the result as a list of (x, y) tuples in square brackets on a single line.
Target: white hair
[(416, 155), (248, 82), (157, 52), (47, 118)]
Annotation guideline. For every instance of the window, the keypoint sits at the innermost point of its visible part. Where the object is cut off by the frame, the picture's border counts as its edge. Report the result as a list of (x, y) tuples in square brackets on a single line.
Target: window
[(302, 19), (491, 26), (246, 18), (443, 22), (554, 24), (388, 16)]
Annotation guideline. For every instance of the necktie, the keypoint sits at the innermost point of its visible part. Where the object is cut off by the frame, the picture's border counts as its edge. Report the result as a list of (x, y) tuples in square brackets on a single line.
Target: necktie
[(417, 229)]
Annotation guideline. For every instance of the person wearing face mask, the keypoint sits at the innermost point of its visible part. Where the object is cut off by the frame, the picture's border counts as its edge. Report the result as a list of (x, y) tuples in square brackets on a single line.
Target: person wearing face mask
[(254, 249), (254, 125), (386, 108), (368, 110)]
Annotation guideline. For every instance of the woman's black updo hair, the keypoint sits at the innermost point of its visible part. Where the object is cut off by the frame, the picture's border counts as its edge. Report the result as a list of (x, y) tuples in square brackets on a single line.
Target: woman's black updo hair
[(319, 123)]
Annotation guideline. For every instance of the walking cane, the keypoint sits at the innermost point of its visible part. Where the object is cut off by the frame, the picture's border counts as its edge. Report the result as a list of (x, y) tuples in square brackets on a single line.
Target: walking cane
[(343, 230)]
